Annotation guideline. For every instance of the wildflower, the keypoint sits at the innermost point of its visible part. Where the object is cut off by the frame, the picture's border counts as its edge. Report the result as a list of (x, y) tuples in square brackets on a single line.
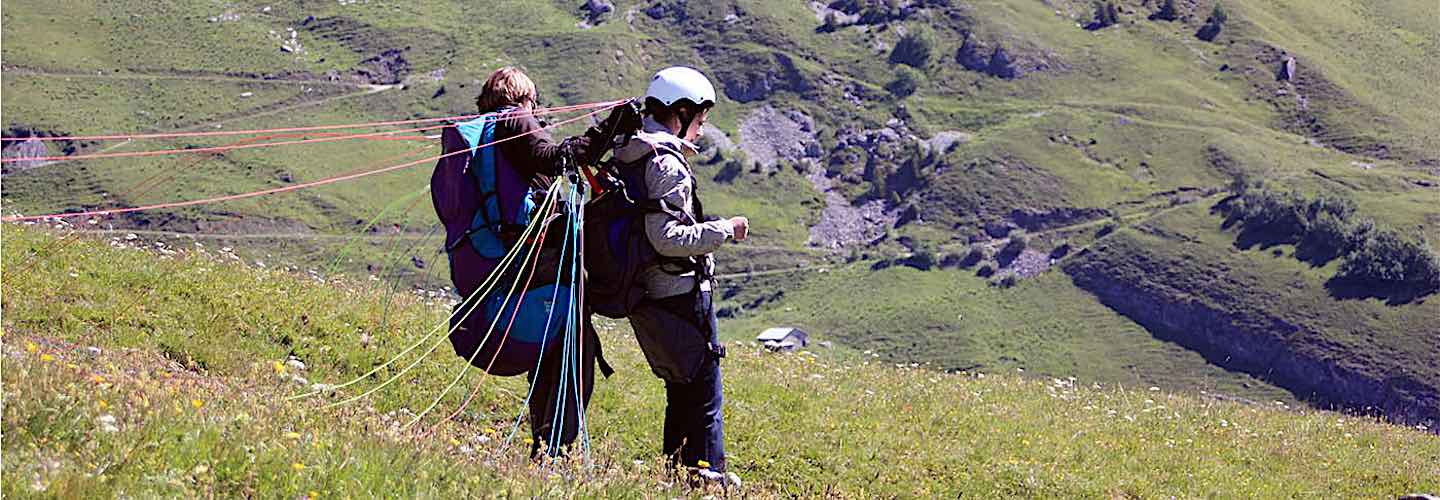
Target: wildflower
[(313, 495), (529, 441), (107, 423), (297, 466), (197, 403), (98, 379), (279, 367), (46, 358), (103, 405), (703, 464), (31, 347)]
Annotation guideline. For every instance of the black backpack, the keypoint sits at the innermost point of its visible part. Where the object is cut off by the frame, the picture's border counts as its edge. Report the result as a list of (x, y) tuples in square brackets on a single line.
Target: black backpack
[(616, 248)]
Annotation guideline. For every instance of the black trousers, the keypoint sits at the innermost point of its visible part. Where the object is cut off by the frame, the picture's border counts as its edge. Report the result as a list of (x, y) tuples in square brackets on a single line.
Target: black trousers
[(679, 336), (558, 400)]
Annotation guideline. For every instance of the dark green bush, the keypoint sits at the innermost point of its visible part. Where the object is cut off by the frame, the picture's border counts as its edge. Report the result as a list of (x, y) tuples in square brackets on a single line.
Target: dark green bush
[(906, 82), (914, 49), (1387, 259)]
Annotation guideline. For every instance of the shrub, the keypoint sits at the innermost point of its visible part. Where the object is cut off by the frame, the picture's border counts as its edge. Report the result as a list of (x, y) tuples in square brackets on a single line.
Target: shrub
[(914, 49), (1061, 250), (728, 173), (1008, 280), (1167, 12), (1106, 229), (986, 270), (1389, 260), (1019, 241), (978, 252), (1106, 15), (1213, 25), (906, 82), (832, 23)]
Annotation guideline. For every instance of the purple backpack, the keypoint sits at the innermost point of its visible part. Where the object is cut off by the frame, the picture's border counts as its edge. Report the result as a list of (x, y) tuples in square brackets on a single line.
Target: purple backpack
[(483, 204)]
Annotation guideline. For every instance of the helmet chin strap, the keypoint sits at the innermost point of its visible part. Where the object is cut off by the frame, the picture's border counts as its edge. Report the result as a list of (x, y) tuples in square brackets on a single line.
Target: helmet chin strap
[(687, 119)]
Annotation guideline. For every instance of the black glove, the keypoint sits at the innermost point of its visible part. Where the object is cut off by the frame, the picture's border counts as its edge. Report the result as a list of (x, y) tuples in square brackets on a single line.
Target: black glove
[(624, 120), (579, 148)]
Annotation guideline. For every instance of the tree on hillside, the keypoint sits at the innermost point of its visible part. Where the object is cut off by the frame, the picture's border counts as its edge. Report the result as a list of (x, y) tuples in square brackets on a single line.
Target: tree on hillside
[(1106, 15), (1213, 24), (1167, 12), (1388, 260), (1000, 64), (906, 82), (914, 49), (832, 23)]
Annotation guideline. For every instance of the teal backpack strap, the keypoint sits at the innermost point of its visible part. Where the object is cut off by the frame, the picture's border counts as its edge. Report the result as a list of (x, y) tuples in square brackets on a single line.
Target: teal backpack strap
[(484, 228)]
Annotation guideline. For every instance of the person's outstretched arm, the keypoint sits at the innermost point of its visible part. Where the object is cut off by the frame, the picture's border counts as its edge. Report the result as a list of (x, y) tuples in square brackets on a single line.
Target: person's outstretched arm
[(670, 182)]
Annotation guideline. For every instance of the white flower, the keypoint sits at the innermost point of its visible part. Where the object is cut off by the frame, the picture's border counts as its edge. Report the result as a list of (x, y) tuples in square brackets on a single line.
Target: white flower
[(107, 423)]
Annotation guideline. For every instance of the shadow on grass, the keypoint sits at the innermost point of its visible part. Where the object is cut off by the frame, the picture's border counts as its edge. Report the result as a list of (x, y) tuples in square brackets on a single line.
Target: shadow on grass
[(1393, 295)]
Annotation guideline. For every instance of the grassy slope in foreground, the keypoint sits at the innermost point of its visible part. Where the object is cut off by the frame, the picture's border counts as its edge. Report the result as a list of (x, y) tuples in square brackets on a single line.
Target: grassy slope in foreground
[(187, 370)]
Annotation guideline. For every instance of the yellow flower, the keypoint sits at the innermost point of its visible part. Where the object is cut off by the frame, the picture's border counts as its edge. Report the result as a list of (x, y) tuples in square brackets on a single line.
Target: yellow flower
[(98, 379), (197, 403), (292, 435), (46, 358), (703, 464), (314, 494), (104, 405), (279, 367), (454, 442), (297, 466), (489, 430), (31, 347), (529, 441)]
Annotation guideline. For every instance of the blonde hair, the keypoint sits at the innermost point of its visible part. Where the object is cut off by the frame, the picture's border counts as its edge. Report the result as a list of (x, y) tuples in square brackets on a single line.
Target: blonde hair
[(507, 86)]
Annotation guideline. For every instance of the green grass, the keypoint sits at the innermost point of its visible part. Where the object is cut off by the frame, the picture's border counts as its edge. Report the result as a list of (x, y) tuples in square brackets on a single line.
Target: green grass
[(187, 372), (953, 320), (1367, 336), (1149, 94)]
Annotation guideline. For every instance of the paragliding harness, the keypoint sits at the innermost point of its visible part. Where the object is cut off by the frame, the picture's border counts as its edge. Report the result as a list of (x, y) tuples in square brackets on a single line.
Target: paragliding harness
[(618, 251), (485, 206)]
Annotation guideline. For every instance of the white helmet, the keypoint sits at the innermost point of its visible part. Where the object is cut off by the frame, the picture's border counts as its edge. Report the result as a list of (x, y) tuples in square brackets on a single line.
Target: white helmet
[(672, 84)]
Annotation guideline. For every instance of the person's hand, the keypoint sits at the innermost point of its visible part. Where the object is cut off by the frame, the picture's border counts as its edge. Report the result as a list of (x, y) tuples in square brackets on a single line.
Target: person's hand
[(580, 149), (622, 120), (742, 227)]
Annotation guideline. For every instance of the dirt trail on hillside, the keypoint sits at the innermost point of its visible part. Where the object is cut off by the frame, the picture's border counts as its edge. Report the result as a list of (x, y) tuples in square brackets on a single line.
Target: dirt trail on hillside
[(61, 73)]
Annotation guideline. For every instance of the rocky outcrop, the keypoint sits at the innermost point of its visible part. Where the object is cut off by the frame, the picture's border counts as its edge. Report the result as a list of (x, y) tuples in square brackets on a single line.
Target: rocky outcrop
[(1228, 332), (971, 54), (595, 12), (19, 151), (769, 136), (1039, 220), (1286, 71), (388, 68), (1000, 65), (758, 76), (668, 9)]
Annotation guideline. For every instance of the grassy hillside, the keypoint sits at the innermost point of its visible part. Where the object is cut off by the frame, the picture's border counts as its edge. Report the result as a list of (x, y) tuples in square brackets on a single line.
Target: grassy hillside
[(1122, 123), (184, 397)]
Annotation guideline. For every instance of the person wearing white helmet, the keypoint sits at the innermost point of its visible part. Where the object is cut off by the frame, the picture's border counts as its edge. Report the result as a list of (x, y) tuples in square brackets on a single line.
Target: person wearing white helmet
[(675, 322)]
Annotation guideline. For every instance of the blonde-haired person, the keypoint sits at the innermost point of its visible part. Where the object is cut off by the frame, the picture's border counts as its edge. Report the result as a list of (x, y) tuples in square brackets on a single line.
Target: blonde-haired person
[(537, 157), (509, 97)]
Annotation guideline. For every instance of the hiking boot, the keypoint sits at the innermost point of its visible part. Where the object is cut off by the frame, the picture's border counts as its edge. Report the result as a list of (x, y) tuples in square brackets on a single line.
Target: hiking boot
[(726, 480)]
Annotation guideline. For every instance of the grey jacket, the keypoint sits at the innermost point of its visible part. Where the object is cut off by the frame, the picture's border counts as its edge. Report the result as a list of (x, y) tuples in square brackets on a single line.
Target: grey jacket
[(669, 179)]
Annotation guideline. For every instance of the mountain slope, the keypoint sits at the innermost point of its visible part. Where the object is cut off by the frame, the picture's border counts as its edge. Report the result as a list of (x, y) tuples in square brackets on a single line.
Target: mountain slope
[(1100, 129), (166, 376)]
